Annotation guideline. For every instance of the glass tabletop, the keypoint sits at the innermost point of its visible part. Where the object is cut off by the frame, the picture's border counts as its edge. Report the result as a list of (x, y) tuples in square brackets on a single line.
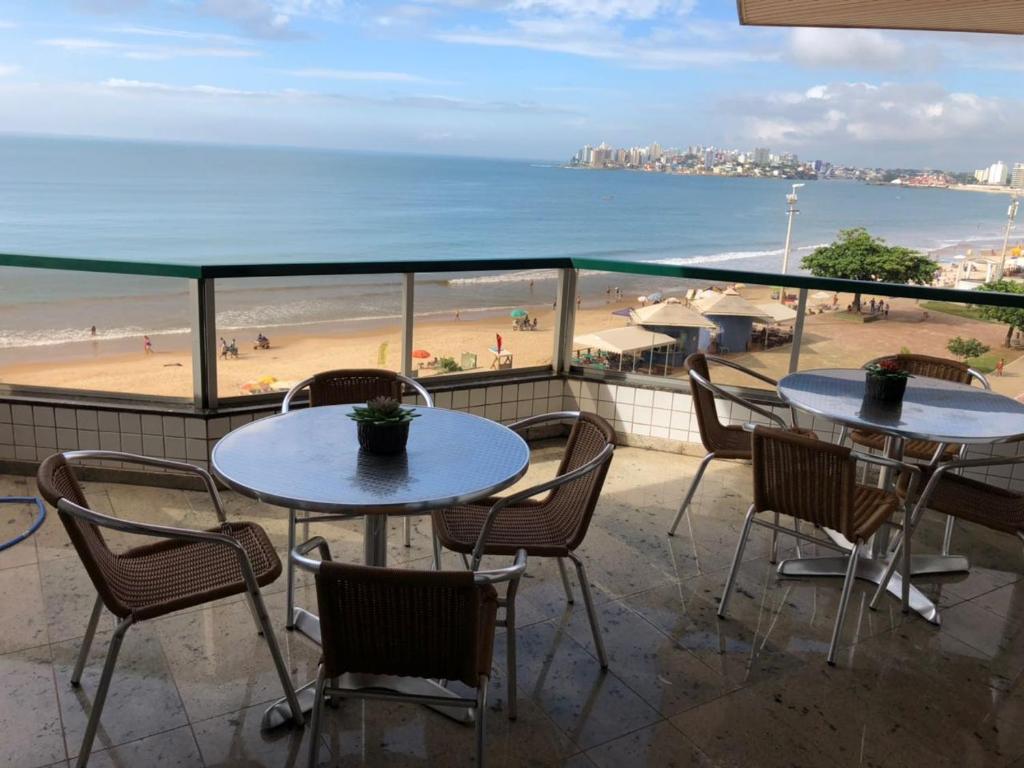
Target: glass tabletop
[(932, 409), (310, 459)]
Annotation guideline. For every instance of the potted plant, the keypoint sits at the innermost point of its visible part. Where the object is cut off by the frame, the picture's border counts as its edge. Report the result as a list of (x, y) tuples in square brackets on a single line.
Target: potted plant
[(382, 425), (885, 381)]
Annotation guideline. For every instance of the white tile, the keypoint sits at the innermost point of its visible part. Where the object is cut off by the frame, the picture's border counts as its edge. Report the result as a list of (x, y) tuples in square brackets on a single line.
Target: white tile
[(679, 421), (174, 447), (88, 440), (478, 410), (509, 393), (7, 451), (508, 411), (493, 411), (195, 429), (524, 409), (526, 391), (108, 421), (493, 395), (24, 434), (588, 404), (25, 452), (663, 400), (64, 417), (625, 396), (46, 437), (240, 420), (42, 416), (21, 414), (218, 427), (657, 431), (195, 449), (443, 399), (174, 426), (5, 413), (153, 425), (7, 434), (681, 402), (624, 412), (556, 404), (460, 399), (606, 392), (131, 423), (606, 409), (642, 415), (644, 397), (110, 441), (661, 418), (644, 430), (477, 396), (87, 420), (590, 390), (574, 385), (681, 435), (131, 444)]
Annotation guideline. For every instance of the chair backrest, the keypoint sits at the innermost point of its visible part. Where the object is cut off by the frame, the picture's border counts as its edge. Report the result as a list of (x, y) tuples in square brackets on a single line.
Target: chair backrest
[(571, 506), (57, 481), (931, 367), (353, 386), (712, 430), (434, 624), (811, 480)]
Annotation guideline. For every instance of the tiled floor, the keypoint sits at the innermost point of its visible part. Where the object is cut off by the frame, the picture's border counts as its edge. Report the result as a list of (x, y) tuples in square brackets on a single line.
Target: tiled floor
[(684, 689)]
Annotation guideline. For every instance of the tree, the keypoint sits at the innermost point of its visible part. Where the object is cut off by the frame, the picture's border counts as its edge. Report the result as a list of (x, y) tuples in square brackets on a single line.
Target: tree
[(964, 348), (856, 255), (1012, 316)]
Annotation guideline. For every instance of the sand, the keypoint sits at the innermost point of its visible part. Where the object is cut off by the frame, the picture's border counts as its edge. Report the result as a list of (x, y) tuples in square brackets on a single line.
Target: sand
[(831, 339)]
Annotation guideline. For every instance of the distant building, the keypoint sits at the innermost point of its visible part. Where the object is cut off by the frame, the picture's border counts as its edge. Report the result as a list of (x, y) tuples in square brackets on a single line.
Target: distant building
[(997, 173), (762, 155), (1017, 177), (709, 159), (654, 151), (981, 175)]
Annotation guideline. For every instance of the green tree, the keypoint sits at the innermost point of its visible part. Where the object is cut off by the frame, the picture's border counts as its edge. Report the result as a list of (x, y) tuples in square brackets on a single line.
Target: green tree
[(1013, 317), (964, 348), (856, 255)]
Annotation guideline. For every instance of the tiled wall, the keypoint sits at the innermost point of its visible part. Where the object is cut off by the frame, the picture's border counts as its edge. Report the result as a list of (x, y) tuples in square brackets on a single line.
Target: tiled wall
[(657, 419)]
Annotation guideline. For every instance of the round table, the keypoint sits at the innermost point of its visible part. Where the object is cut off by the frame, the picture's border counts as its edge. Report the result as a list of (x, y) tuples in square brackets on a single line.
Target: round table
[(310, 460), (932, 409)]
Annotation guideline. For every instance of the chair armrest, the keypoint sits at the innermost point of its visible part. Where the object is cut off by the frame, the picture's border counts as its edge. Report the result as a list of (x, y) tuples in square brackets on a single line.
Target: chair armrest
[(149, 461), (478, 550), (543, 418), (286, 403), (497, 575), (418, 388), (718, 391), (899, 466), (980, 377), (299, 555)]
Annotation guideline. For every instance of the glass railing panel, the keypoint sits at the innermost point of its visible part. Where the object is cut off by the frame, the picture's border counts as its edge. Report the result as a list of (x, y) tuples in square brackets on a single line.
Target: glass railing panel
[(89, 331), (274, 332), (484, 321)]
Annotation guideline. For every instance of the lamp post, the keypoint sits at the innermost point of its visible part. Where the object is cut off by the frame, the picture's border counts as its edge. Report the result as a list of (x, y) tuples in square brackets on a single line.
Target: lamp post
[(1011, 215), (791, 201)]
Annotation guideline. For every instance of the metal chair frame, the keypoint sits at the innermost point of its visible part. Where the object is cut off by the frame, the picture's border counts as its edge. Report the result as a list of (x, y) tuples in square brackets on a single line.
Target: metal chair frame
[(914, 517), (508, 601), (253, 593), (697, 380), (304, 518), (852, 554), (328, 688)]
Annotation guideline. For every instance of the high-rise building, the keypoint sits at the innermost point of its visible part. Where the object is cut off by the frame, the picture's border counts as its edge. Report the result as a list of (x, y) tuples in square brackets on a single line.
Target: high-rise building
[(654, 151), (981, 175), (761, 155), (997, 173), (1017, 177), (709, 158)]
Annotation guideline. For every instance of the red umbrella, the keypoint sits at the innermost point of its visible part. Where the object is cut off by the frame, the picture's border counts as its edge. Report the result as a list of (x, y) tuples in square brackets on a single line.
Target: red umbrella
[(421, 354)]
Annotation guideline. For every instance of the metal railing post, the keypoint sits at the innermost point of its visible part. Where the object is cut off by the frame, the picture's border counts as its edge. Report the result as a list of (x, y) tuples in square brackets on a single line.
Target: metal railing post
[(798, 330), (565, 320), (408, 316), (203, 314)]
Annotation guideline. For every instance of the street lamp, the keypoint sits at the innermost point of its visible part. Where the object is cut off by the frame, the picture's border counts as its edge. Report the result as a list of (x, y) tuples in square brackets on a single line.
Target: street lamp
[(1011, 214), (791, 200)]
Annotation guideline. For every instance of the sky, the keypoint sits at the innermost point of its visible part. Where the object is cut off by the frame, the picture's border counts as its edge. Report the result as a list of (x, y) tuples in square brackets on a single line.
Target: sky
[(506, 78)]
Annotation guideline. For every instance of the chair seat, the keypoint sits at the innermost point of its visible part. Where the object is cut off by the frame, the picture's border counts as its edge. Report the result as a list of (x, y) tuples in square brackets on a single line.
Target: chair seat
[(922, 450), (977, 502), (871, 508), (529, 526), (156, 579)]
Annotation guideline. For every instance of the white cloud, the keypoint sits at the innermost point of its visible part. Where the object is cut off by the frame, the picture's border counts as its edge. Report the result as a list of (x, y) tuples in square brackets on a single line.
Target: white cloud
[(141, 86), (178, 34), (353, 75), (860, 49), (145, 51), (8, 69), (606, 9), (4, 24)]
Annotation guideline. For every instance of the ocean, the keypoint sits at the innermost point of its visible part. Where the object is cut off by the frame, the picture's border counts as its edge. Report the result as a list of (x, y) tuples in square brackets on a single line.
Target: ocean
[(231, 205)]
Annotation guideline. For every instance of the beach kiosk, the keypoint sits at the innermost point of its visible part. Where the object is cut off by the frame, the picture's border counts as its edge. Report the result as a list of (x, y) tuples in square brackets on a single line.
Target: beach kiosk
[(734, 318), (676, 320), (627, 340)]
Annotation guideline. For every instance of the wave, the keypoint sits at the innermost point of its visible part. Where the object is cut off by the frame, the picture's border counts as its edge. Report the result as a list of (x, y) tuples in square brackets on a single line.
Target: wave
[(717, 258), (523, 276), (53, 336)]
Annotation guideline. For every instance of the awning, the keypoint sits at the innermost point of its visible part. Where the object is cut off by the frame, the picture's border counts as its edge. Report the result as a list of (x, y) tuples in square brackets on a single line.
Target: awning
[(720, 304), (779, 313), (622, 340), (671, 314), (995, 16)]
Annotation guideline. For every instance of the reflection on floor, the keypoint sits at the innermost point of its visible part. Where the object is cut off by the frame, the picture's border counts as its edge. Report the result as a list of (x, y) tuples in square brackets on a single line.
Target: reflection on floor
[(683, 688)]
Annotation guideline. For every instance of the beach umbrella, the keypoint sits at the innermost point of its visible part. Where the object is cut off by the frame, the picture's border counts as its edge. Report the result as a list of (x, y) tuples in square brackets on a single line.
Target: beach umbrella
[(420, 354), (518, 313)]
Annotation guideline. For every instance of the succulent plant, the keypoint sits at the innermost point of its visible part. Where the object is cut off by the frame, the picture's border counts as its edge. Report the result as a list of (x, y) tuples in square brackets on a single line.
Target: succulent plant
[(382, 410)]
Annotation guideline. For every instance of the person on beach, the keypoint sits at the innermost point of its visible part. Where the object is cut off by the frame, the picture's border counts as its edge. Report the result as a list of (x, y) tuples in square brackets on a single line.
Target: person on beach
[(887, 309), (1000, 365), (531, 286), (147, 345), (872, 306), (92, 331), (579, 301), (457, 318)]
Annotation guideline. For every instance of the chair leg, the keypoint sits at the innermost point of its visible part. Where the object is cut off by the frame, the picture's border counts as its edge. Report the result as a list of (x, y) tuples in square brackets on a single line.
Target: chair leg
[(263, 620), (947, 536), (731, 580), (566, 584), (255, 614), (90, 632), (101, 692), (315, 718), (689, 493), (408, 532), (289, 616), (435, 543), (510, 653), (774, 556), (588, 601), (481, 718), (844, 599)]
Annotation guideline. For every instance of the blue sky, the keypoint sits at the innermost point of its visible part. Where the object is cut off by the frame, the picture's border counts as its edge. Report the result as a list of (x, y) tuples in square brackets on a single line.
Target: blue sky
[(517, 78)]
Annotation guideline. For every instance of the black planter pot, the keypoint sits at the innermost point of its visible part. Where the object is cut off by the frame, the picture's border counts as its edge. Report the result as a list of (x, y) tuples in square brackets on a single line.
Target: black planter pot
[(884, 389), (385, 439)]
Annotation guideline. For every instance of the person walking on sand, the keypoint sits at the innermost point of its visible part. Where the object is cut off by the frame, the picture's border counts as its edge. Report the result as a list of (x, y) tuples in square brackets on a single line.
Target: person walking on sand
[(1000, 365), (579, 302), (92, 331), (147, 345), (457, 316)]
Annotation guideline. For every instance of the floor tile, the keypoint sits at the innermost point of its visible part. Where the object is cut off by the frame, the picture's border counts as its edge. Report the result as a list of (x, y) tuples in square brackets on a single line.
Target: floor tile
[(171, 749), (29, 712), (21, 595), (660, 745)]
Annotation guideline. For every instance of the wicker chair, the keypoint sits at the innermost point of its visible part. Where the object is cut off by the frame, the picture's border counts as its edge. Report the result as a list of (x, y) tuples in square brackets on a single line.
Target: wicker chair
[(721, 441), (340, 387), (952, 494), (188, 568), (553, 526), (814, 481), (407, 623)]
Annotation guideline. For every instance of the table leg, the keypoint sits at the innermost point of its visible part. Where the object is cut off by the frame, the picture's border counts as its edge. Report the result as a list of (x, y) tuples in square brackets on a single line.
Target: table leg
[(375, 540)]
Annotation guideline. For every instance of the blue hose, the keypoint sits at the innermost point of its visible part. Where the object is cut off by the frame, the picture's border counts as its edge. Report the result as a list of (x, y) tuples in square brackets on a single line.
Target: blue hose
[(40, 517)]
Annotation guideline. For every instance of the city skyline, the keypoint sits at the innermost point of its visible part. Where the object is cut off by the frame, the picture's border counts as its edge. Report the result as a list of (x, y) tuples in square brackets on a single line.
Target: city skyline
[(515, 78)]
